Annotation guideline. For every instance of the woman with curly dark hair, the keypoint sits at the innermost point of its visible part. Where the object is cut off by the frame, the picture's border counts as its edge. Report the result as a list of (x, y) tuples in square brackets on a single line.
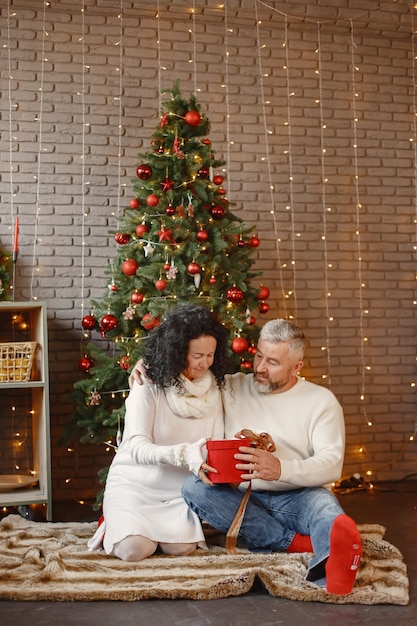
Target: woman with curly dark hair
[(168, 421)]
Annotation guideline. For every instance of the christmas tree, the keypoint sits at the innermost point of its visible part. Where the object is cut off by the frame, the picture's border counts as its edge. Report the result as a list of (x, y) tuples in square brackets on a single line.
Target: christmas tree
[(178, 241)]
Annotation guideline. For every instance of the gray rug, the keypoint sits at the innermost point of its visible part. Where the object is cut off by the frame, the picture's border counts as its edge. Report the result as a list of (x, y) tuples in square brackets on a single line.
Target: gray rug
[(49, 561)]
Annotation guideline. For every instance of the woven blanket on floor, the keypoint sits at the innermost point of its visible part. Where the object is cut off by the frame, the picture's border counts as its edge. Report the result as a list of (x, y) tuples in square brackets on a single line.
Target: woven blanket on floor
[(50, 562)]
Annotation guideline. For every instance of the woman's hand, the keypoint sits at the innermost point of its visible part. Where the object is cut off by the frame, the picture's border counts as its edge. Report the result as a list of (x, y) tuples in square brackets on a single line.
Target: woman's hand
[(202, 473)]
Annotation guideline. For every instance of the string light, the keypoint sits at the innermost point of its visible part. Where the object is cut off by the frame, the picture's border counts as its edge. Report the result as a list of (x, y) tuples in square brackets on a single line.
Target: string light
[(325, 209), (39, 118), (268, 160)]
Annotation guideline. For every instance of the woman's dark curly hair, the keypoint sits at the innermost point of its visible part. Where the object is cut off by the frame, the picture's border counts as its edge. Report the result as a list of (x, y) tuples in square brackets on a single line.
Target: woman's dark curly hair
[(167, 345)]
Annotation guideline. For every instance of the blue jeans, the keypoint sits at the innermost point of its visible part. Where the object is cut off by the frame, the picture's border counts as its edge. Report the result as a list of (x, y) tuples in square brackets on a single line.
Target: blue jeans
[(272, 518)]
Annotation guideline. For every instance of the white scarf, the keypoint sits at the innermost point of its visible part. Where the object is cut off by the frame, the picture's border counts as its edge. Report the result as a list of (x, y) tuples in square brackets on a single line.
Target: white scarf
[(196, 398)]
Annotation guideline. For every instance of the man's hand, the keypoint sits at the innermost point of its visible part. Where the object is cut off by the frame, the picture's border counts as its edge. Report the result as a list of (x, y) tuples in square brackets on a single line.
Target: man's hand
[(258, 463)]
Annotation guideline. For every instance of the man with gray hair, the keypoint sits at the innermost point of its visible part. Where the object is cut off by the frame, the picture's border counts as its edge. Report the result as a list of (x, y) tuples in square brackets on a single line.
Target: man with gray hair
[(290, 508)]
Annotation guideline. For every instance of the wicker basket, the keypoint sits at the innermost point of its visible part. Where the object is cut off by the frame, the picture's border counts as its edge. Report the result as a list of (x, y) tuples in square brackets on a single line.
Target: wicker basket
[(16, 360)]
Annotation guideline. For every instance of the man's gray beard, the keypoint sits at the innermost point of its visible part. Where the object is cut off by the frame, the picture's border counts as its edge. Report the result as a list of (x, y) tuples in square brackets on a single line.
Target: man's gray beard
[(264, 388)]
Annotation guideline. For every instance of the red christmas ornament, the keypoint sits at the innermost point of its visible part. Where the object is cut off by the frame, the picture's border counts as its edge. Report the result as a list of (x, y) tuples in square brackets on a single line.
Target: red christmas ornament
[(246, 365), (221, 191), (193, 118), (239, 345), (89, 322), (263, 293), (212, 280), (202, 235), (251, 321), (161, 284), (253, 242), (149, 322), (203, 172), (167, 184), (141, 229), (129, 267), (170, 210), (152, 200), (144, 171), (252, 350), (85, 363), (217, 212), (217, 179), (263, 307), (164, 234), (206, 142), (136, 297), (166, 266), (193, 268), (241, 243), (108, 322), (113, 287), (134, 203), (234, 294), (121, 238), (124, 362)]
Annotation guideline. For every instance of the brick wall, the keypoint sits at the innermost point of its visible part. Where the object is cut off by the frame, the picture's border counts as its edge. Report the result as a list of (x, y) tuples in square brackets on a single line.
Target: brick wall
[(346, 89)]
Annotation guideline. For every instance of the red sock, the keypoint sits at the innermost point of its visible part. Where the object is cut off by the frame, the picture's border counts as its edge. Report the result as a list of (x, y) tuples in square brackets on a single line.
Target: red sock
[(300, 543), (345, 555)]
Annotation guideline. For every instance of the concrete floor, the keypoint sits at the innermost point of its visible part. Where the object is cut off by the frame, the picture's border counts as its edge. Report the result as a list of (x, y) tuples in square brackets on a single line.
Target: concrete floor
[(393, 505)]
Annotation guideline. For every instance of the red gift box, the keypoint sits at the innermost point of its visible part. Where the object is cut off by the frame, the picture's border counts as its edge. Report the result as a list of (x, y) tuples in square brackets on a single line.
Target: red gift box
[(221, 456)]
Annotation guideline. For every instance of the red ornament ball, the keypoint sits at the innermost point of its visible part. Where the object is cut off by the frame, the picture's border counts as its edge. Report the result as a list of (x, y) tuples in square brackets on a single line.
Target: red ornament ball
[(241, 243), (141, 229), (252, 350), (85, 363), (136, 297), (212, 280), (263, 293), (124, 362), (149, 322), (251, 321), (161, 284), (217, 179), (134, 203), (193, 268), (217, 212), (108, 322), (253, 242), (202, 235), (166, 266), (203, 172), (193, 118), (170, 210), (129, 267), (144, 171), (122, 238), (246, 365), (222, 191), (234, 294), (206, 142), (89, 322), (239, 345), (263, 307), (152, 200)]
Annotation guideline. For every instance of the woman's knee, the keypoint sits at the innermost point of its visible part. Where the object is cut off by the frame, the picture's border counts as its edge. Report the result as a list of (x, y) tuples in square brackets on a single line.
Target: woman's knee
[(134, 548), (178, 549)]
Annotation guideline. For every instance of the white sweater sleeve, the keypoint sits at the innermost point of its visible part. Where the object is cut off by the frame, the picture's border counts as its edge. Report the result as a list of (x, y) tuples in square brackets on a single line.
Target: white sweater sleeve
[(182, 454)]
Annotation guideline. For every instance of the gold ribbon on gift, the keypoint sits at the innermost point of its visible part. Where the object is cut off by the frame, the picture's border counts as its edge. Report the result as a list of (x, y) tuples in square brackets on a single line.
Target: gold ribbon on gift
[(265, 442)]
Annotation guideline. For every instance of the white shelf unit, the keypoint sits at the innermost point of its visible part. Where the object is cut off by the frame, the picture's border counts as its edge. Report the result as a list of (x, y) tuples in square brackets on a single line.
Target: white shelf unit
[(26, 403)]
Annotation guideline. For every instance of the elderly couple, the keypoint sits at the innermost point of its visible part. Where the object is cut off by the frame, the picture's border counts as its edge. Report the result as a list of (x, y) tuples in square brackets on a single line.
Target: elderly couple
[(158, 491)]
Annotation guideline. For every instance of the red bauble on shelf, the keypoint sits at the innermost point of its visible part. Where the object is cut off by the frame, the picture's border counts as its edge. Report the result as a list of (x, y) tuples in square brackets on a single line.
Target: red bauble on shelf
[(144, 171), (240, 345), (193, 118), (89, 322), (85, 363), (234, 294), (129, 267)]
